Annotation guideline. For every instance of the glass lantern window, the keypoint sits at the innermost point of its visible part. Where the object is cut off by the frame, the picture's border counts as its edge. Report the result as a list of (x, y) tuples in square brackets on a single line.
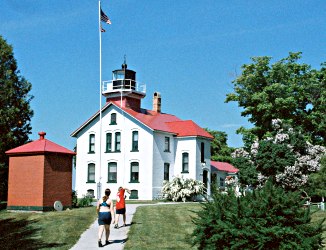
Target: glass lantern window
[(118, 75)]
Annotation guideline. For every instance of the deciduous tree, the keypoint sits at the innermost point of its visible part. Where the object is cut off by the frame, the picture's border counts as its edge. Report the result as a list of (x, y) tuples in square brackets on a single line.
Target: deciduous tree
[(220, 151), (286, 89)]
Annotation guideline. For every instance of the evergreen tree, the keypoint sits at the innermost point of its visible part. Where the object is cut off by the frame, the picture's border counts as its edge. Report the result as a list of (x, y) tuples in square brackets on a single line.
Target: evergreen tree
[(269, 218), (15, 110)]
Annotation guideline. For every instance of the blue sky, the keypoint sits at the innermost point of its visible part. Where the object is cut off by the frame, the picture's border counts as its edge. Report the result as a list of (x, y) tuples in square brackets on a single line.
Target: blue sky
[(188, 50)]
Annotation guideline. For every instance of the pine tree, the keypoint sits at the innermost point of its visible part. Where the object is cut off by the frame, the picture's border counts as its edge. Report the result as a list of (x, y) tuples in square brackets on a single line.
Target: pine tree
[(15, 110), (269, 218)]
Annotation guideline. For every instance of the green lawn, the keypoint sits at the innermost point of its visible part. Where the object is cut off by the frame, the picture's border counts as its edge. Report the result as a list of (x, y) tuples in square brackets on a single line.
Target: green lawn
[(50, 230), (319, 215), (165, 226)]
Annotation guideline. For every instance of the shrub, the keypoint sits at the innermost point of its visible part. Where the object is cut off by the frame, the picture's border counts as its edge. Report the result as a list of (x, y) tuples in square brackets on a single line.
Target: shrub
[(269, 218), (86, 201), (74, 201), (181, 189)]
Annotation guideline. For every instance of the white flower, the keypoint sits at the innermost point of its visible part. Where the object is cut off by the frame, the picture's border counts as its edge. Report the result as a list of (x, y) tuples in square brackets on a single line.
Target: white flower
[(240, 152), (276, 123)]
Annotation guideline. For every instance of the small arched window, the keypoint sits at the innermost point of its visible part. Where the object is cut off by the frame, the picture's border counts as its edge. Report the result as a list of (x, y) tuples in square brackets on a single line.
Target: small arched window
[(185, 162), (134, 172), (90, 193), (91, 173), (134, 146), (91, 145), (113, 119), (133, 194), (112, 172)]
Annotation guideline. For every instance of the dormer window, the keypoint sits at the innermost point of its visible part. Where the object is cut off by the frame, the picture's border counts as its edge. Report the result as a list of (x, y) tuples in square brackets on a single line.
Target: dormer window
[(113, 119)]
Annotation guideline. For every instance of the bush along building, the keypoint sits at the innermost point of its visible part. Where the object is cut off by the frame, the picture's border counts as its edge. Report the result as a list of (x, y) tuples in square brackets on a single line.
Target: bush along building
[(126, 145)]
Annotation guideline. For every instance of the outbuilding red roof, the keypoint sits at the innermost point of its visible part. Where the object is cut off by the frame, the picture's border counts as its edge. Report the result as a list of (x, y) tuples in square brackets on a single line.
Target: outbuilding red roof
[(40, 146), (158, 121), (224, 166)]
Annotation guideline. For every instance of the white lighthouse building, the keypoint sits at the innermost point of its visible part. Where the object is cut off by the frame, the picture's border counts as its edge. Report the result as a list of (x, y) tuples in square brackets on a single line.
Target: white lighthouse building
[(126, 145)]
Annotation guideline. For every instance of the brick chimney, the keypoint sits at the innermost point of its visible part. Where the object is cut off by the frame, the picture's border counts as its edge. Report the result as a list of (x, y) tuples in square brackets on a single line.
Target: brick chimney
[(42, 135), (157, 102)]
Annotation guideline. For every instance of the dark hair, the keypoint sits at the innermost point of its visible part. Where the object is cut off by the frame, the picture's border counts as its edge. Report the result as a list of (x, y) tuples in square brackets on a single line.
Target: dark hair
[(107, 194)]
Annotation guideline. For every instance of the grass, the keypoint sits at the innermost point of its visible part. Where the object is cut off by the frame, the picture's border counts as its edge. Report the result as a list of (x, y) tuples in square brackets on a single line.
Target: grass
[(50, 230), (318, 215), (142, 201), (165, 226)]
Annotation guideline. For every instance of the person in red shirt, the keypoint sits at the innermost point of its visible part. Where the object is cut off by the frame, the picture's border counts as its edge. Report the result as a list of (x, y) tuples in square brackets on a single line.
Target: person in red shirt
[(120, 206)]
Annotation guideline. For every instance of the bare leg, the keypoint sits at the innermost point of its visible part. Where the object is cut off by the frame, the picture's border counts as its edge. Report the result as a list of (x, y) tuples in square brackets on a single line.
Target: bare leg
[(107, 233), (100, 232), (124, 219), (117, 219)]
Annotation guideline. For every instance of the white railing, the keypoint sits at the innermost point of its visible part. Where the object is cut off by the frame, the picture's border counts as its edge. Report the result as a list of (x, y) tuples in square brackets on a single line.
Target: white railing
[(124, 85)]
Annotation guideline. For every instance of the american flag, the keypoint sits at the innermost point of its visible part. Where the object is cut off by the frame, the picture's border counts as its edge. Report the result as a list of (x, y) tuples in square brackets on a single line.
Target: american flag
[(102, 30), (105, 18)]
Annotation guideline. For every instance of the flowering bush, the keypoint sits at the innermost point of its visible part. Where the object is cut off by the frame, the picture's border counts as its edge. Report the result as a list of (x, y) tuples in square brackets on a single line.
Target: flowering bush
[(284, 156), (181, 189)]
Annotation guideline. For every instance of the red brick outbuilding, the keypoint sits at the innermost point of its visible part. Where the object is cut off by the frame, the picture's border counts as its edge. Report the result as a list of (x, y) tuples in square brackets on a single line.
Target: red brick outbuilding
[(40, 173)]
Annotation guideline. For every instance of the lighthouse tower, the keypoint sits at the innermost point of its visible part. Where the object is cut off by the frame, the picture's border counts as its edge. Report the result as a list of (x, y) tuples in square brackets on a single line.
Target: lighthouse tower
[(123, 88)]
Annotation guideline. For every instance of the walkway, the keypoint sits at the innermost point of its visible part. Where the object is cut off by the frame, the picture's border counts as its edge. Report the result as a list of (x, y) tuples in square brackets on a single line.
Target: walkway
[(88, 240)]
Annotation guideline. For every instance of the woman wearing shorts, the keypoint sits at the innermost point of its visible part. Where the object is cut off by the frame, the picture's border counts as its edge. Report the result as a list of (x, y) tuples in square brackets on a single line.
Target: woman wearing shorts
[(120, 206), (105, 215)]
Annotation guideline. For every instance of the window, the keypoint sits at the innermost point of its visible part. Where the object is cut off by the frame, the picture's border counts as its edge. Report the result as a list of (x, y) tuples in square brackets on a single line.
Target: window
[(202, 152), (222, 182), (185, 162), (91, 173), (134, 172), (134, 146), (108, 142), (112, 172), (167, 144), (166, 171), (133, 194), (91, 148), (90, 193), (113, 119), (117, 141)]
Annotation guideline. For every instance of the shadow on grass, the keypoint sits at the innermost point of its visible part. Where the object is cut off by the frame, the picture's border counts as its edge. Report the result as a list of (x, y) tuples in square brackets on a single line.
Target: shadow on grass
[(21, 234)]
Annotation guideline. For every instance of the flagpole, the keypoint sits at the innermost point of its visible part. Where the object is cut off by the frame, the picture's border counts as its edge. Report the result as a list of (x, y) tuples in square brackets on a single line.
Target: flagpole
[(99, 185)]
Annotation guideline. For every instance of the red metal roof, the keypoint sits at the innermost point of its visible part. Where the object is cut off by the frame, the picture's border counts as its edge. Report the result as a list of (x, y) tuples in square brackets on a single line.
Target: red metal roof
[(224, 166), (188, 128), (40, 146), (158, 121)]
